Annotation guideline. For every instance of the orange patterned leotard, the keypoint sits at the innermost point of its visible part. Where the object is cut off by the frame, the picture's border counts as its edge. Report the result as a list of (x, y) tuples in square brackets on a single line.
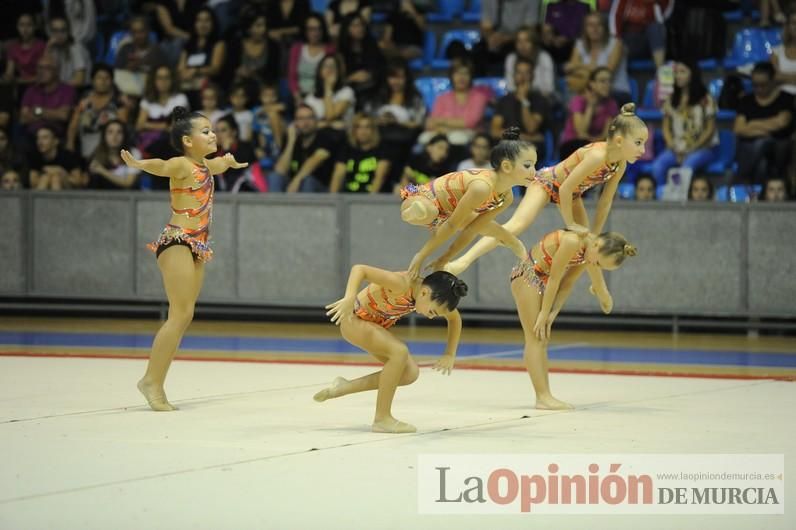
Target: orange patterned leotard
[(446, 192), (376, 304), (197, 238), (536, 270), (552, 177)]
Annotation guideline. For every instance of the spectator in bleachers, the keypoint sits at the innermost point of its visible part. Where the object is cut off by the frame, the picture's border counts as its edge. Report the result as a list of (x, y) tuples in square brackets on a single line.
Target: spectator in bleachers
[(689, 124), (596, 47), (332, 101), (210, 97), (784, 57), (590, 114), (161, 97), (775, 190), (286, 19), (404, 30), (203, 57), (641, 25), (229, 141), (305, 56), (400, 112), (11, 159), (434, 161), (361, 165), (364, 62), (82, 17), (645, 188), (48, 101), (96, 109), (10, 180), (700, 189), (240, 108), (23, 54), (500, 21), (527, 46), (458, 113), (256, 57), (524, 107), (269, 124), (307, 161), (52, 167), (8, 104), (73, 58), (480, 149), (764, 125), (338, 9), (173, 23), (139, 55), (106, 169), (564, 23)]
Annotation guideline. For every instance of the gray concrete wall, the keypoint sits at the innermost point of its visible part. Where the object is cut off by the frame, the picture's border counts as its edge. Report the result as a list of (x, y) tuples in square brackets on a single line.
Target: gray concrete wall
[(717, 259)]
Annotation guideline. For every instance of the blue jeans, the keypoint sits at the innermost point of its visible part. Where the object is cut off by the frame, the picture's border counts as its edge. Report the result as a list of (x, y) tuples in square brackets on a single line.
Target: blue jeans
[(278, 183), (694, 160)]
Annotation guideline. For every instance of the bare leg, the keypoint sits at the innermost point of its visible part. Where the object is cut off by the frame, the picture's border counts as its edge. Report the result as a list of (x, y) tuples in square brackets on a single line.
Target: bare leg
[(182, 279), (534, 202), (528, 302), (399, 369)]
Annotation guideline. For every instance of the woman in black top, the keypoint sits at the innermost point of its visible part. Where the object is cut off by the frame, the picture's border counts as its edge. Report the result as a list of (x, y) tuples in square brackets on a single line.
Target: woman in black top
[(364, 62)]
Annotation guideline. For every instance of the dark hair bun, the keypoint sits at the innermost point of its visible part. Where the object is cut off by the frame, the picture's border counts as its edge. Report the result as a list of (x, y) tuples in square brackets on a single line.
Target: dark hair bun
[(459, 288), (511, 134), (180, 113), (628, 109)]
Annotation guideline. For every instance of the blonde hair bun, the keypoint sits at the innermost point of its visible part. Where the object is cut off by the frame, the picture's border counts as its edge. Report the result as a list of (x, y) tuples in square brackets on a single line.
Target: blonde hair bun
[(630, 250), (628, 109)]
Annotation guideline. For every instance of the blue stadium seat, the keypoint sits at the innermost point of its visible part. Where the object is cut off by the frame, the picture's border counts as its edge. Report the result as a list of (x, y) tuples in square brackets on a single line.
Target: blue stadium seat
[(749, 46), (468, 37), (726, 153), (319, 6), (549, 149), (648, 110), (738, 193), (115, 43), (446, 11), (772, 37), (497, 84), (378, 17), (430, 88), (659, 191), (626, 190), (473, 13), (633, 89), (641, 65)]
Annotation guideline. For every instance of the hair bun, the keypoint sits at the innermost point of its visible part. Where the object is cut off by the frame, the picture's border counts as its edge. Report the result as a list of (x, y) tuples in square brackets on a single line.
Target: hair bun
[(180, 113), (459, 288), (512, 133), (630, 250), (628, 109)]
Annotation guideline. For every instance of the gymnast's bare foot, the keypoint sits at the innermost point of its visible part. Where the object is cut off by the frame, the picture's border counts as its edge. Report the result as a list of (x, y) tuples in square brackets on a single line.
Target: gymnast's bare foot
[(551, 403), (333, 391), (455, 267), (392, 426), (155, 396)]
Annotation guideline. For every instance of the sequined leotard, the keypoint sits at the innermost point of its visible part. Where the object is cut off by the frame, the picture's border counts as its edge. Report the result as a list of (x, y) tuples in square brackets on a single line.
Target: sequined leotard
[(376, 304), (536, 272), (201, 189), (552, 177), (453, 186)]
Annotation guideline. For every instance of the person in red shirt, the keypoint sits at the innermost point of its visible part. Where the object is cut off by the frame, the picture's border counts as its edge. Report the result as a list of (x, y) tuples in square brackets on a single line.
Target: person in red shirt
[(640, 24)]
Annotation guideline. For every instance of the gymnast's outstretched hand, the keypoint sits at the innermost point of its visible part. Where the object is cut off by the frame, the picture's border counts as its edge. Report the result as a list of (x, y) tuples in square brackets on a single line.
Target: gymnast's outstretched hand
[(343, 308), (229, 158)]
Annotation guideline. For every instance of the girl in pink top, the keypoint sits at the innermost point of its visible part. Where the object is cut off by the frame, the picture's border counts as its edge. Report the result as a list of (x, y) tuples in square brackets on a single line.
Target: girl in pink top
[(24, 53), (459, 111)]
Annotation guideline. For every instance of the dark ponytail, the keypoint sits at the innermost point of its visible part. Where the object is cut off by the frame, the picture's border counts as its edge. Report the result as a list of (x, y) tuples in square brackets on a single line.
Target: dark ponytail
[(446, 289), (509, 147), (181, 119)]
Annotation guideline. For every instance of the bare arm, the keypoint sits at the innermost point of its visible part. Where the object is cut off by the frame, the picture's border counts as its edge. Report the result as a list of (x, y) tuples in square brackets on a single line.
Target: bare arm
[(344, 307), (71, 132), (283, 164), (311, 164), (565, 289), (615, 57), (454, 332), (173, 167), (570, 244), (707, 134), (599, 288), (164, 18), (216, 60), (337, 178), (606, 200), (382, 168), (222, 163)]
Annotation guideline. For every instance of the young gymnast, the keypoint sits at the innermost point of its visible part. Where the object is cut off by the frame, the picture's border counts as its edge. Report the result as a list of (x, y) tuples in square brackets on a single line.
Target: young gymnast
[(365, 319), (548, 275), (564, 183), (183, 246), (471, 198)]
